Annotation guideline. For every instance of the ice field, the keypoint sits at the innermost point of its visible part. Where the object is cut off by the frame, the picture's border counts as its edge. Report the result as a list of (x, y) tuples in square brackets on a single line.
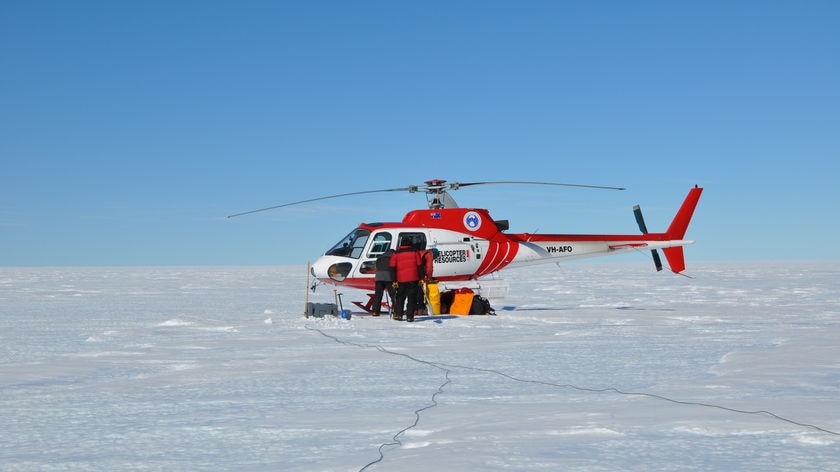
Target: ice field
[(593, 366)]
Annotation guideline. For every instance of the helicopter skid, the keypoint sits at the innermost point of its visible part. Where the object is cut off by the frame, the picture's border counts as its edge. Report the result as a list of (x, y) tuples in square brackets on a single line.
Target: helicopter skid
[(368, 306)]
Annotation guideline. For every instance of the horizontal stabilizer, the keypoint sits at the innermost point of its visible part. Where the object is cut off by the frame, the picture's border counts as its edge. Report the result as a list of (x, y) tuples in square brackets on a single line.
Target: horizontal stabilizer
[(628, 245)]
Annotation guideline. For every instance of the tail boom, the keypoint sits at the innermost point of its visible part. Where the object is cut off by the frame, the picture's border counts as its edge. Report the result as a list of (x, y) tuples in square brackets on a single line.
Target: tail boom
[(541, 248)]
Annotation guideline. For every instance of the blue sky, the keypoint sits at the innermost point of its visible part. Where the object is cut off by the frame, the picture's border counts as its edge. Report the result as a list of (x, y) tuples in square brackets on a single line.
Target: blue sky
[(130, 130)]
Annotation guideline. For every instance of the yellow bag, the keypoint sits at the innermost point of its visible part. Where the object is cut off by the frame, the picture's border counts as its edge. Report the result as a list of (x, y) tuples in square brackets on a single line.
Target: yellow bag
[(433, 296)]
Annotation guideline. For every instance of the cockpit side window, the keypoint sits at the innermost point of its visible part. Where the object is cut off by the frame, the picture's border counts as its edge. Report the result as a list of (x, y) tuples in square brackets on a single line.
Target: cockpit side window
[(351, 245), (381, 243)]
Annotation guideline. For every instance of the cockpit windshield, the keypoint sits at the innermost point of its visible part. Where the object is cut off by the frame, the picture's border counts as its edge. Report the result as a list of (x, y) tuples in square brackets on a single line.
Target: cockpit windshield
[(351, 245)]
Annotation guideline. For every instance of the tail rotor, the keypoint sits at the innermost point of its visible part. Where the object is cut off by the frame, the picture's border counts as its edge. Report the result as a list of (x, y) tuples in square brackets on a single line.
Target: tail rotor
[(637, 211)]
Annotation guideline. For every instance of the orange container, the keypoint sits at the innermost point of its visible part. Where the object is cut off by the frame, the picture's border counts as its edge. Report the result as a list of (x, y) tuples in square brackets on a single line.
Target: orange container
[(461, 303)]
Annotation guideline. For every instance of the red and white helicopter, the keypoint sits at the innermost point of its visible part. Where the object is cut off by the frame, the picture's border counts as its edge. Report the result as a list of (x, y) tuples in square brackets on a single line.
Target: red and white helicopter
[(470, 245)]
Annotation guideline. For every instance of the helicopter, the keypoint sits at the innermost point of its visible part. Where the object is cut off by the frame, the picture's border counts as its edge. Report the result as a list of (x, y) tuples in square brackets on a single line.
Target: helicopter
[(470, 247)]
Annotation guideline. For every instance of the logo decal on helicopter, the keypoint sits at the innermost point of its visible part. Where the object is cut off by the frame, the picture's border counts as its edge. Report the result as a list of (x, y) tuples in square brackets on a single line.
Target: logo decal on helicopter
[(472, 221), (455, 255)]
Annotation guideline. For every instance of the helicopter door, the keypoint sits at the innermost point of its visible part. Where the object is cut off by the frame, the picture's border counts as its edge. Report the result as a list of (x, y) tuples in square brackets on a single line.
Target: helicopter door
[(379, 243)]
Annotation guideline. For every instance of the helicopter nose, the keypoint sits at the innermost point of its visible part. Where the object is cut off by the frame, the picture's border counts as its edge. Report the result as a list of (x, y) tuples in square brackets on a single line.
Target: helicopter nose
[(328, 268)]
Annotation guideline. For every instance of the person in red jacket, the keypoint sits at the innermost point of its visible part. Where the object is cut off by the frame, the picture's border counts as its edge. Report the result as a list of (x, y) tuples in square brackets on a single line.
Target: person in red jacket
[(406, 261), (427, 256)]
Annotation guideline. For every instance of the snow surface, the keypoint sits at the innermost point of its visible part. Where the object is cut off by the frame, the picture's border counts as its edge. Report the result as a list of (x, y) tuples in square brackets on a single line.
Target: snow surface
[(586, 367)]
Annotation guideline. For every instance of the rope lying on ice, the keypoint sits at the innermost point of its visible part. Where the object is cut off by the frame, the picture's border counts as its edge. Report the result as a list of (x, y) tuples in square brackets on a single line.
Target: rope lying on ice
[(448, 368)]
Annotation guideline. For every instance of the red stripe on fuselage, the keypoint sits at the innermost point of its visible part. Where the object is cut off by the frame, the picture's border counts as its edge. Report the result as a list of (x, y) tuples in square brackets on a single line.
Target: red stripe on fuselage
[(499, 254)]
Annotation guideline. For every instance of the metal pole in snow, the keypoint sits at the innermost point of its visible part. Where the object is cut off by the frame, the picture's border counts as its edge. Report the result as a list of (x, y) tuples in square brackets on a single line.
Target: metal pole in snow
[(306, 306)]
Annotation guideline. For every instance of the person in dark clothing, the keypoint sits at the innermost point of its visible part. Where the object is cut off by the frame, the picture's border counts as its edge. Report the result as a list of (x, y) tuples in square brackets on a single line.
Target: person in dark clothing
[(385, 278), (427, 259), (405, 261)]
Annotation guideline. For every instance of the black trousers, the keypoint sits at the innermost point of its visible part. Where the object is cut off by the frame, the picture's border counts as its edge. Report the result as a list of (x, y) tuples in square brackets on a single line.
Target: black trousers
[(379, 290), (406, 294)]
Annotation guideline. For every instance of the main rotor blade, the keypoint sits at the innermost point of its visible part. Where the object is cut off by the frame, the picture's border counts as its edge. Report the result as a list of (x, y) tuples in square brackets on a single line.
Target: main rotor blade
[(428, 188), (321, 198), (537, 183)]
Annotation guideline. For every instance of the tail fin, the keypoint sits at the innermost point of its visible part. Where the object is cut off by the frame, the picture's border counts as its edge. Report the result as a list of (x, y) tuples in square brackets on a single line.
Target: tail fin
[(680, 223), (678, 228)]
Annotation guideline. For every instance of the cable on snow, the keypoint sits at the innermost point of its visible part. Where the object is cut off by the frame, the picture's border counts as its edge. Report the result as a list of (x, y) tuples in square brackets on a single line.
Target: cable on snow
[(433, 403), (448, 368)]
